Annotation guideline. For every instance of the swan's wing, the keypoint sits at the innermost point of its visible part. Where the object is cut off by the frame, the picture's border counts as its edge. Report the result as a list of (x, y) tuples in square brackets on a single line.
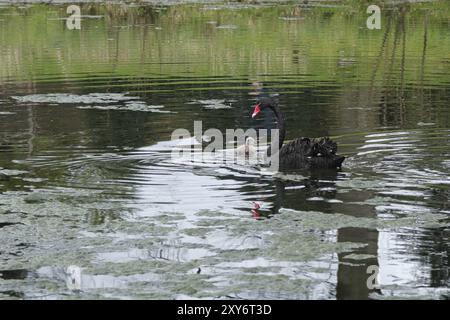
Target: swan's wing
[(300, 146), (324, 146), (310, 153), (307, 147)]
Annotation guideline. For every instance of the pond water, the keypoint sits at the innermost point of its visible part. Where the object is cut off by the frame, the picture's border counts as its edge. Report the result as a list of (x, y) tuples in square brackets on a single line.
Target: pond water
[(93, 206)]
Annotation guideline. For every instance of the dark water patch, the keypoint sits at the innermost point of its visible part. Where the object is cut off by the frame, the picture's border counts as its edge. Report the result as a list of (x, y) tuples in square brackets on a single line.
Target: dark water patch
[(6, 224), (19, 274)]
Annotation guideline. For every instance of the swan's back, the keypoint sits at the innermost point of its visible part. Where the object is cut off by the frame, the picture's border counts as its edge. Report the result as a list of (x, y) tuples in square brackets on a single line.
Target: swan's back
[(310, 153)]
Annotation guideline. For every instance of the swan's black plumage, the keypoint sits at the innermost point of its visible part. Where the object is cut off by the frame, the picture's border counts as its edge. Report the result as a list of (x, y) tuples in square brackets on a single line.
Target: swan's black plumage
[(301, 153), (309, 154)]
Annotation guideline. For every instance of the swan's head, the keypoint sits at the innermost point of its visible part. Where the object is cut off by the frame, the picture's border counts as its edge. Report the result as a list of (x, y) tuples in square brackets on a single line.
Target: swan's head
[(265, 102), (249, 141)]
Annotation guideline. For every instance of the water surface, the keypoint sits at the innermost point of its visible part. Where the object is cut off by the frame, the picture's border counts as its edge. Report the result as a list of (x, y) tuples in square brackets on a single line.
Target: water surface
[(93, 206)]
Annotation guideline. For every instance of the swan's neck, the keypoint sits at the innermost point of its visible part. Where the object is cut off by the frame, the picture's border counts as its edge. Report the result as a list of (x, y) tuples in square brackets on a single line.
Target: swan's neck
[(281, 130), (280, 125)]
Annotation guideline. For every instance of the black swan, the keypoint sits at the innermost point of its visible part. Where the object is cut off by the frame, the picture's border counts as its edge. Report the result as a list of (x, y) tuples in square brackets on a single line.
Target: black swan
[(301, 153)]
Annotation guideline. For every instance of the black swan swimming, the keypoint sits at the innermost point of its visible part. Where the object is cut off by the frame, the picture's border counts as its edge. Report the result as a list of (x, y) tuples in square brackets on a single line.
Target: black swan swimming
[(301, 153)]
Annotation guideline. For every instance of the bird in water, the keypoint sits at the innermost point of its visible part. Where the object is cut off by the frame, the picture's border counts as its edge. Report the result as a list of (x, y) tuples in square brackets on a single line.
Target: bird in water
[(301, 153), (247, 150)]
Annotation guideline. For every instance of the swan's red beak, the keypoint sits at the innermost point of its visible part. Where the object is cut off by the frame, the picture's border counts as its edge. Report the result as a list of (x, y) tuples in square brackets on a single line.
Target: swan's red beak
[(256, 110)]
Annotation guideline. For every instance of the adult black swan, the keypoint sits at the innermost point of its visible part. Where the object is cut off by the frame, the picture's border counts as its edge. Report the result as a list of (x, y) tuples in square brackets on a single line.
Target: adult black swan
[(301, 153)]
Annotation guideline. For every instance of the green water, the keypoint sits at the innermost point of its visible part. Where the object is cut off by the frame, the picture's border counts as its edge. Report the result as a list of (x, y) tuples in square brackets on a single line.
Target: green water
[(93, 206)]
